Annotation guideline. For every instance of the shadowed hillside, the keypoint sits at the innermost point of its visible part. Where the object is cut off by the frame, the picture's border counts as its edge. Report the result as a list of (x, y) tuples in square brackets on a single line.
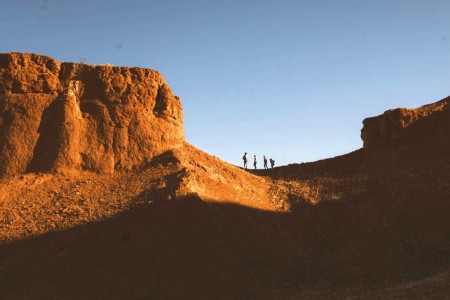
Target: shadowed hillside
[(172, 222), (394, 230)]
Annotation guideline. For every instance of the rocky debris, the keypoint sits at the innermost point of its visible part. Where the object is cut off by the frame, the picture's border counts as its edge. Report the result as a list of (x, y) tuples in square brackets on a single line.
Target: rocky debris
[(427, 124), (37, 203), (67, 116)]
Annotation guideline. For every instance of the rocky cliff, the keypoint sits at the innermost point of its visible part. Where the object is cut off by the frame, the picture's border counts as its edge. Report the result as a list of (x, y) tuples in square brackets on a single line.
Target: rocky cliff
[(426, 125), (66, 116)]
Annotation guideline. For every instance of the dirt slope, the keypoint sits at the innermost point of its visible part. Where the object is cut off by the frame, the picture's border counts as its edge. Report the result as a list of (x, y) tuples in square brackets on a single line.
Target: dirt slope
[(174, 230), (186, 226), (124, 208), (37, 203)]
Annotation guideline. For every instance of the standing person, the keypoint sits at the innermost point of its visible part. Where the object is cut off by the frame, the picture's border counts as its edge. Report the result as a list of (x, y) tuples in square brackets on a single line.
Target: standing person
[(245, 160), (272, 162), (265, 162), (254, 162)]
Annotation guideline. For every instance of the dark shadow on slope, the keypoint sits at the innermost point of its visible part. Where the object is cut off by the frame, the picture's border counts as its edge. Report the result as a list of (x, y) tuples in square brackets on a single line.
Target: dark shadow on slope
[(344, 165), (167, 158), (398, 230), (179, 249), (190, 249)]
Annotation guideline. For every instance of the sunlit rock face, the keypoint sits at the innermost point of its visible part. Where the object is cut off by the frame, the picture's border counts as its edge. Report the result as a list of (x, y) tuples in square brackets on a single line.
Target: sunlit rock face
[(427, 125), (66, 116)]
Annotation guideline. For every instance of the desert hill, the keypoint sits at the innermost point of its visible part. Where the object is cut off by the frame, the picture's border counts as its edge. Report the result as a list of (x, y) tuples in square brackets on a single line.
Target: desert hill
[(102, 198)]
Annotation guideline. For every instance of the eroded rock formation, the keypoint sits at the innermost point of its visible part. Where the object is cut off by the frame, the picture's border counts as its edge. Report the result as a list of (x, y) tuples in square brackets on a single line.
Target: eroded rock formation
[(67, 116), (427, 125)]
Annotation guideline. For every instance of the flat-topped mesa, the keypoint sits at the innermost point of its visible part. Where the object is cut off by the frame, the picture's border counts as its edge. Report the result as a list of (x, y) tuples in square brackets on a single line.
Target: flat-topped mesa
[(66, 116), (428, 125)]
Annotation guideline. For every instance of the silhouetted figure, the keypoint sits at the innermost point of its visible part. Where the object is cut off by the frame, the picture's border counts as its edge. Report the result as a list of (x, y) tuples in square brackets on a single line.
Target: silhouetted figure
[(245, 160), (272, 162), (265, 162), (254, 162)]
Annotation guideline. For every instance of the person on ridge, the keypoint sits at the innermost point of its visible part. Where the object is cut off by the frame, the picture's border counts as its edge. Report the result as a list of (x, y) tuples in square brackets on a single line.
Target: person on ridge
[(272, 162), (265, 162), (245, 160), (254, 162)]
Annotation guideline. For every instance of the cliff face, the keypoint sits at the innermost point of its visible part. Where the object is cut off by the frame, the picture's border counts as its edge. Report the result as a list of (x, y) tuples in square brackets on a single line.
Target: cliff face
[(427, 125), (66, 116)]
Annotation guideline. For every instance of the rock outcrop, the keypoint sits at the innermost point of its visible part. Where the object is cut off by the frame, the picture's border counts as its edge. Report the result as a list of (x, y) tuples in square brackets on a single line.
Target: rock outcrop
[(67, 116), (427, 125)]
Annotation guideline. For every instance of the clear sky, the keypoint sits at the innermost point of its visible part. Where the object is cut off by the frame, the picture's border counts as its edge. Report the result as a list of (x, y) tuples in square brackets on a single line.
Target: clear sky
[(289, 79)]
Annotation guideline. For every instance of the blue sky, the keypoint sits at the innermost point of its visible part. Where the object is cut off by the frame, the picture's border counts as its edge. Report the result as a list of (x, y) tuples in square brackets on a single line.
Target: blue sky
[(289, 79)]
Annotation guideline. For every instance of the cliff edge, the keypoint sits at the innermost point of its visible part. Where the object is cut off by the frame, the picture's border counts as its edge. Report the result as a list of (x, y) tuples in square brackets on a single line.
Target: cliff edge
[(428, 125), (67, 116)]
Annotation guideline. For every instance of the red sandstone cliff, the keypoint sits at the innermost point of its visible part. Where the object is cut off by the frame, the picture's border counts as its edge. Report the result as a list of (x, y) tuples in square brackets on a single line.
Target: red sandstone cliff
[(428, 125), (66, 116)]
